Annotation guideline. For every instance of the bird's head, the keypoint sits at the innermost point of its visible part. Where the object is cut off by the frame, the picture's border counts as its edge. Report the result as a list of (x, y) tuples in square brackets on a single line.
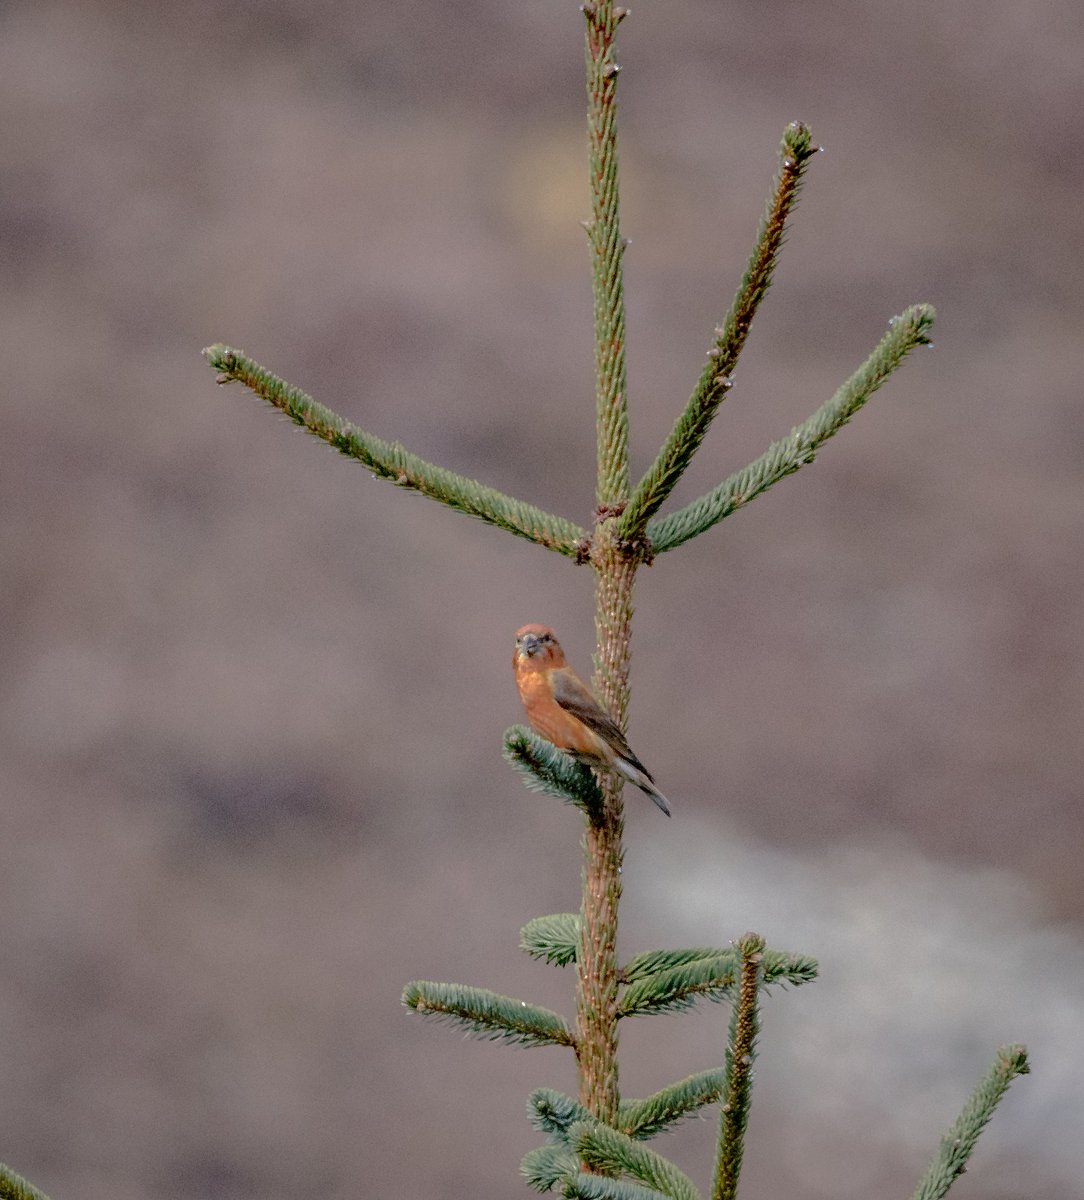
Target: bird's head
[(537, 646)]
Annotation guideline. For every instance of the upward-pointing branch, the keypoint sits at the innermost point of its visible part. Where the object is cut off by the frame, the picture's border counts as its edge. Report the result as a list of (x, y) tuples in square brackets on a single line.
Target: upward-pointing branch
[(910, 329), (950, 1161), (15, 1187), (714, 383), (389, 460), (607, 250)]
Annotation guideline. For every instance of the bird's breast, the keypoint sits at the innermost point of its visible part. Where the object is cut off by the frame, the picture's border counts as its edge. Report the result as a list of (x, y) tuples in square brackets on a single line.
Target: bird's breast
[(549, 719)]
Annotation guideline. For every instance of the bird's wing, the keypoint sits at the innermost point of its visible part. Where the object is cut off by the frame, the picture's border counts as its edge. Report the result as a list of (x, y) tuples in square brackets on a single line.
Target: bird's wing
[(574, 696)]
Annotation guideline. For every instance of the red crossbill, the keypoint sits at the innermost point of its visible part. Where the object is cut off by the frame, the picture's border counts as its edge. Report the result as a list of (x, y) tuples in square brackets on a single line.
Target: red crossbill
[(562, 708)]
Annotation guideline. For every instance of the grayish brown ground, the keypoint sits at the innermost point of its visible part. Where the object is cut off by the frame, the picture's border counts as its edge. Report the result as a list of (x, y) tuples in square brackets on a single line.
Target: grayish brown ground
[(251, 701)]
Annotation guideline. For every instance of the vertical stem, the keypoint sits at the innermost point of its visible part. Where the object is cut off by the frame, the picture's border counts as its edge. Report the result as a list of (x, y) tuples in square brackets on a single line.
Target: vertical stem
[(596, 991), (741, 1047)]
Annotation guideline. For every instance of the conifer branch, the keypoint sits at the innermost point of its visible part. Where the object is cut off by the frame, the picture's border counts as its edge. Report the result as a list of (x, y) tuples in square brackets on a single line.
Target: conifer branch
[(605, 1150), (740, 1052), (552, 939), (645, 1118), (15, 1187), (652, 962), (607, 251), (715, 380), (546, 769), (712, 979), (488, 1015), (546, 1166), (599, 1187), (908, 330), (555, 1113), (956, 1146), (679, 988), (389, 460)]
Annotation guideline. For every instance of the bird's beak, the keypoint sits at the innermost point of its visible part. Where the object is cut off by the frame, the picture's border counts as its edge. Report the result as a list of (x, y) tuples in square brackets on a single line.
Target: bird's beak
[(529, 646)]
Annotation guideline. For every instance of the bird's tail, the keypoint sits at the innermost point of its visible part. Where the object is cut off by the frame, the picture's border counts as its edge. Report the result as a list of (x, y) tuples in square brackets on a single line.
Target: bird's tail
[(636, 774)]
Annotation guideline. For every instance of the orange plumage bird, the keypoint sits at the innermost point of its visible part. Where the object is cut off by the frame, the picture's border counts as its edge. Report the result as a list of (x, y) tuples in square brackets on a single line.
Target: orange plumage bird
[(563, 709)]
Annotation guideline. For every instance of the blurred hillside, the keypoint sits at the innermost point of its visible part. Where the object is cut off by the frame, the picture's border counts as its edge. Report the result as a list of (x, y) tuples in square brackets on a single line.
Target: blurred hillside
[(251, 701)]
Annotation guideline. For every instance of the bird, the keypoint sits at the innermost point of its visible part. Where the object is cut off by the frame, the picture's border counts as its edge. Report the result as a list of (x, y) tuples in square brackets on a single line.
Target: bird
[(564, 710)]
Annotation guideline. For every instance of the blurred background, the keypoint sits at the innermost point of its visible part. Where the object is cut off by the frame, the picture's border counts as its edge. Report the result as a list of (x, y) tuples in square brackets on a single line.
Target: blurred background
[(252, 702)]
